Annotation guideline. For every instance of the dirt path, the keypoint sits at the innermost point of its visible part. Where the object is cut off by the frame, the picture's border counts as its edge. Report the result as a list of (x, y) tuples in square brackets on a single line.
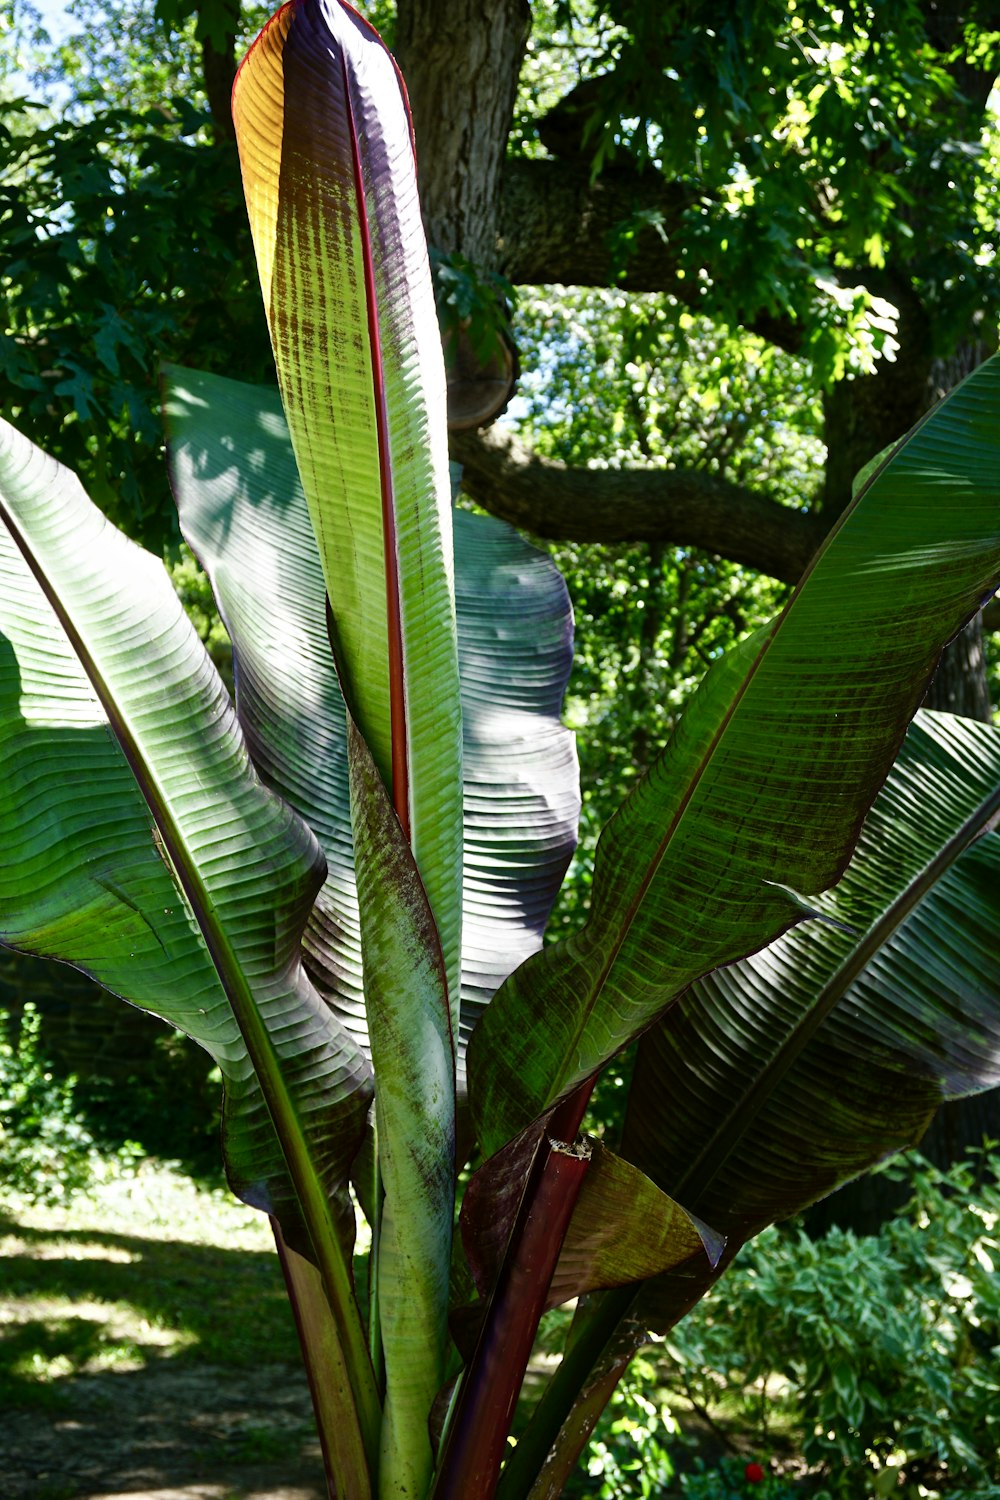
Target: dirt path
[(147, 1351), (167, 1434)]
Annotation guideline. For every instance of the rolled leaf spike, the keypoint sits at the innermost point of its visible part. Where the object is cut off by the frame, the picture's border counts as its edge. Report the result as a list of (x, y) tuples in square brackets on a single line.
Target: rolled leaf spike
[(327, 160), (413, 1051)]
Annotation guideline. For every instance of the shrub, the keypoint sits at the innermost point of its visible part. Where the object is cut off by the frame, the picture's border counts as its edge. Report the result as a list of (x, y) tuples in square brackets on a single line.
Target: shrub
[(733, 1479), (46, 1151), (880, 1353)]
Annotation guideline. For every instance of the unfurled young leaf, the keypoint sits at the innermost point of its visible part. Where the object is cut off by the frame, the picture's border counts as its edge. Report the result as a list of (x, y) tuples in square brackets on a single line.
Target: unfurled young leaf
[(623, 1229), (413, 1051), (327, 157)]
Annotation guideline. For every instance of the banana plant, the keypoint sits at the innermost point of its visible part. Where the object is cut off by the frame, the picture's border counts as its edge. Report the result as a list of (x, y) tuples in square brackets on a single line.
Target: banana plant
[(338, 883)]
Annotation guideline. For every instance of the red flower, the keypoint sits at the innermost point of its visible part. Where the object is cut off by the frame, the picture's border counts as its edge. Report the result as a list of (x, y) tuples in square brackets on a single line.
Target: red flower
[(753, 1474)]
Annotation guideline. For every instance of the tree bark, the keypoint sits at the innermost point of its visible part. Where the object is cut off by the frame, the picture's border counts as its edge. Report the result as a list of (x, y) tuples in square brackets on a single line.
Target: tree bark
[(218, 63), (462, 61), (959, 685), (625, 505), (556, 224)]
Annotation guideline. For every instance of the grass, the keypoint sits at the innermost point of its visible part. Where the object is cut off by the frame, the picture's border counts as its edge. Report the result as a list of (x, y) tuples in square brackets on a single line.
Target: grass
[(142, 1269)]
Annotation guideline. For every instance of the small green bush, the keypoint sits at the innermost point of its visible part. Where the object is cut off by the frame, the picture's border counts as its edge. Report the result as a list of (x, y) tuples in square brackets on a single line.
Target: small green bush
[(46, 1152), (877, 1358), (733, 1479)]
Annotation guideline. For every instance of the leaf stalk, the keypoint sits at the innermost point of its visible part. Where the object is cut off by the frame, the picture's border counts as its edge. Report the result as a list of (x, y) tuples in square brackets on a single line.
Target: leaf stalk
[(344, 1460), (477, 1437), (476, 1440)]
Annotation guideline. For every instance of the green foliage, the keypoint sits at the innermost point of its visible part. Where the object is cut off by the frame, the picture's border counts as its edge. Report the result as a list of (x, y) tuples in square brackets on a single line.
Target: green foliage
[(827, 152), (733, 1479), (196, 1260), (872, 1361), (611, 380), (879, 1355), (166, 1107), (472, 301), (46, 1152), (629, 1453), (123, 241)]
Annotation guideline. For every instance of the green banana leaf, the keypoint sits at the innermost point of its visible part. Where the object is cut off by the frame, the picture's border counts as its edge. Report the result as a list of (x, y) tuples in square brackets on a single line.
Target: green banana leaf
[(326, 152), (756, 803), (522, 783), (140, 846), (775, 1079), (778, 1078), (244, 513)]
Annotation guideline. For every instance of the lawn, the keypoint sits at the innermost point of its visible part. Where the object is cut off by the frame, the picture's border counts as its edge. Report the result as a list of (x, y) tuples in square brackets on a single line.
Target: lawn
[(148, 1350)]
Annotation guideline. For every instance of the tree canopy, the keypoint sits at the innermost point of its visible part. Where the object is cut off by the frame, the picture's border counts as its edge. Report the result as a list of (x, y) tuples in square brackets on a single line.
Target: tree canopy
[(796, 201)]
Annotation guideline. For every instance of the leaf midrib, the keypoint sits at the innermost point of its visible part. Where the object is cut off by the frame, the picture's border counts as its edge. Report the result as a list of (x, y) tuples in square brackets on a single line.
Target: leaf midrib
[(398, 727), (653, 868)]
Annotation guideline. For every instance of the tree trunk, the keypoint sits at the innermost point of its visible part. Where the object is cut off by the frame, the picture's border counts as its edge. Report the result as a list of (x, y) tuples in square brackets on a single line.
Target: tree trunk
[(864, 415), (960, 685), (461, 61), (218, 62), (682, 507)]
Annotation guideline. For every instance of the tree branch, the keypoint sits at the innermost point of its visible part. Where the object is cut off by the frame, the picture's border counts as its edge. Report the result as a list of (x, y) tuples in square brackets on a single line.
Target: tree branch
[(676, 507), (557, 225)]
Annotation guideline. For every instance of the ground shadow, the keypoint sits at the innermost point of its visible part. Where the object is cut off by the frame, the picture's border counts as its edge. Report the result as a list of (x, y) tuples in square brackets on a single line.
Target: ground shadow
[(132, 1366), (171, 1428)]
